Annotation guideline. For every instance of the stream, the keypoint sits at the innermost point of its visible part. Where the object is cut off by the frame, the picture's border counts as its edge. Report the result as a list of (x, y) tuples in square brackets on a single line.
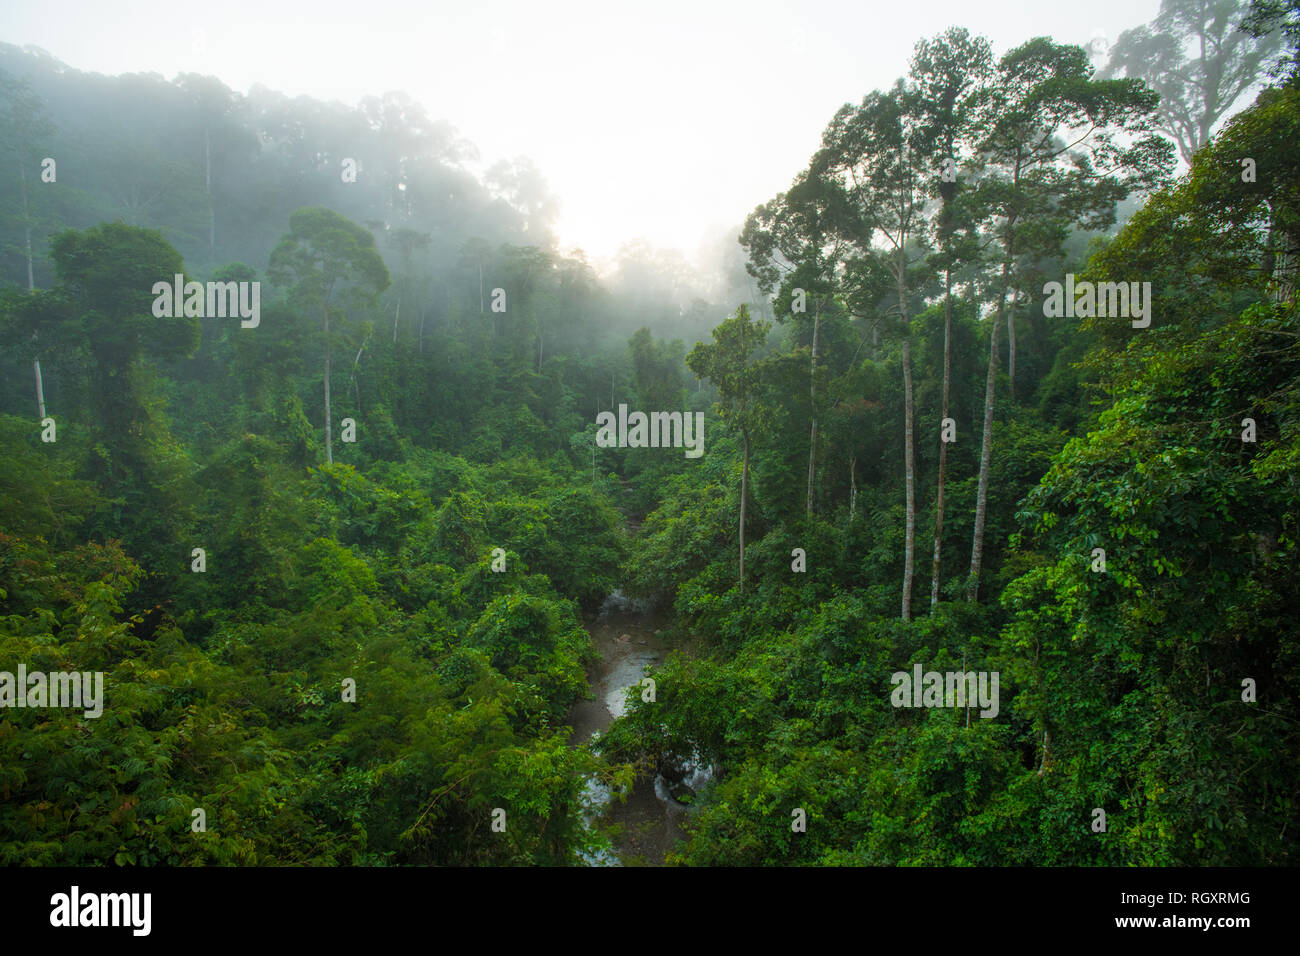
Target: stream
[(650, 819)]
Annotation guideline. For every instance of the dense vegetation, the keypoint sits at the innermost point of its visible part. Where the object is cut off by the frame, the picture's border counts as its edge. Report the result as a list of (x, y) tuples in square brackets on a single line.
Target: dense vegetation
[(443, 562)]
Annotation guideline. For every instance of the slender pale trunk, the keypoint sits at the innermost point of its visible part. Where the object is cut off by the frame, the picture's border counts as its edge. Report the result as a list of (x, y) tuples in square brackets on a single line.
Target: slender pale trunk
[(329, 424), (812, 391), (40, 389), (909, 449), (27, 226), (397, 315), (943, 445), (31, 280), (853, 488), (986, 448), (744, 495), (356, 384), (212, 206), (1011, 348), (1011, 326), (27, 240)]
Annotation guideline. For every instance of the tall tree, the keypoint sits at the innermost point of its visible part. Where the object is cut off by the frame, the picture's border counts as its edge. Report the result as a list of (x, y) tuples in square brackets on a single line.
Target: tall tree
[(728, 363), (332, 264), (872, 153), (793, 243), (406, 242), (949, 74), (1196, 55), (215, 102), (1041, 176), (23, 124)]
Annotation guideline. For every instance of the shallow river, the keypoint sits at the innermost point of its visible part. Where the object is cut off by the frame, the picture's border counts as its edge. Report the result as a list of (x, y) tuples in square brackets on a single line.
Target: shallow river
[(626, 641)]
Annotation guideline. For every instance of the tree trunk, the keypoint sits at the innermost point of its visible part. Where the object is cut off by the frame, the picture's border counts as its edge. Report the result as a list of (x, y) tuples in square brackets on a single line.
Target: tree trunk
[(212, 207), (40, 390), (943, 445), (27, 241), (744, 495), (31, 281), (356, 384), (909, 449), (329, 425), (1011, 348), (986, 449), (27, 227), (853, 488), (812, 438)]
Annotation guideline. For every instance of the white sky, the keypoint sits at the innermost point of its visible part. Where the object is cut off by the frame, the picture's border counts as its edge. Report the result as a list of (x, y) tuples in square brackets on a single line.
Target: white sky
[(669, 120)]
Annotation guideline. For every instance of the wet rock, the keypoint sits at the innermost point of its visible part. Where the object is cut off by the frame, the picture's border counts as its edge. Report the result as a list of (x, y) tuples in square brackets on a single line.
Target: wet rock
[(672, 768), (681, 792)]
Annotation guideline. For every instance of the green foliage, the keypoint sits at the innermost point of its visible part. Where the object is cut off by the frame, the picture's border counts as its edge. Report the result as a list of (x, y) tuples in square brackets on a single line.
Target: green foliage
[(384, 647)]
